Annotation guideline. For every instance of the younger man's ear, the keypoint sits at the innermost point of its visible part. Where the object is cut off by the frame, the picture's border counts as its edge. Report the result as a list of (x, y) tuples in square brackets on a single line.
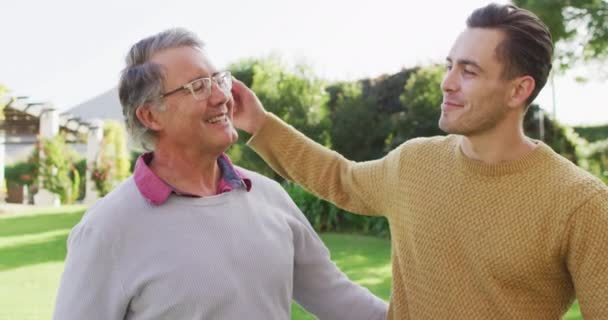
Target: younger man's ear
[(521, 90)]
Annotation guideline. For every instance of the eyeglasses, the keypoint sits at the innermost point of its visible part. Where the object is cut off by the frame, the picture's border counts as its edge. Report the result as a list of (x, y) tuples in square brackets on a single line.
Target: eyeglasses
[(201, 87)]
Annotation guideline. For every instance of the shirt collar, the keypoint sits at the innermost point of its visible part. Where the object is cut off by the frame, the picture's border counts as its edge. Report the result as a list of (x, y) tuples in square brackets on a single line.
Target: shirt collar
[(157, 191)]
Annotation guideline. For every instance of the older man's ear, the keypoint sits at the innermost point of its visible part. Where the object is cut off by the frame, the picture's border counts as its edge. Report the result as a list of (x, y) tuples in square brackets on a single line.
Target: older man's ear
[(148, 116)]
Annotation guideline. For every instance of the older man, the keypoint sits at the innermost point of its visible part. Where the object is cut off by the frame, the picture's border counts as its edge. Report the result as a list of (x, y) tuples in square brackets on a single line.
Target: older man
[(189, 235)]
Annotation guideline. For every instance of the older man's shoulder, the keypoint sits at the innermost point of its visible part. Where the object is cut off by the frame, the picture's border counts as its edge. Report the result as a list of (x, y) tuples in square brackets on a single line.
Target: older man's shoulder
[(116, 207), (261, 183), (256, 177)]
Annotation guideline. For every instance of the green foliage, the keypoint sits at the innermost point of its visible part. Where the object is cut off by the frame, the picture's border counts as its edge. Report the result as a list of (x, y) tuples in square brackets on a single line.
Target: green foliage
[(359, 128), (592, 133), (81, 168), (592, 157), (113, 161), (26, 173), (363, 112), (325, 216), (322, 215), (133, 159), (595, 158), (574, 25), (21, 173), (385, 90), (243, 70), (56, 168), (551, 132), (293, 94), (421, 99)]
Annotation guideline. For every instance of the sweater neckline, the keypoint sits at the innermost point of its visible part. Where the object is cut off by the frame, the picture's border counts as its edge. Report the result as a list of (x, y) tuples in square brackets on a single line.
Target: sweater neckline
[(528, 161), (206, 201)]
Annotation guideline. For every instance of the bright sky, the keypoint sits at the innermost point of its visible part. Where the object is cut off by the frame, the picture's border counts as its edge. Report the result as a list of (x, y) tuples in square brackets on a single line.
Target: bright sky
[(67, 51)]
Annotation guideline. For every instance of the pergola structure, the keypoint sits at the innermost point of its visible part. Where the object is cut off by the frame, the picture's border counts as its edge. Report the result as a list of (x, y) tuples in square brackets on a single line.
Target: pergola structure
[(25, 118), (22, 116)]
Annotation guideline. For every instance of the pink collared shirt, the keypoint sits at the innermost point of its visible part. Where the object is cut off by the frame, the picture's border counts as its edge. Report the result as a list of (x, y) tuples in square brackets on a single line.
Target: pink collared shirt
[(157, 191)]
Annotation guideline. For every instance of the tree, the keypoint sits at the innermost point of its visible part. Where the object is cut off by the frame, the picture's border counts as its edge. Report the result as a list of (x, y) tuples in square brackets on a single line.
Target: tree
[(293, 94), (243, 70), (578, 27), (593, 133), (421, 102), (386, 90), (358, 128)]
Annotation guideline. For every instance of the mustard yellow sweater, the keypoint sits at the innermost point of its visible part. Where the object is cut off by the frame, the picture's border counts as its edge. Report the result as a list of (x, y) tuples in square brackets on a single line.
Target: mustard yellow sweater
[(516, 240)]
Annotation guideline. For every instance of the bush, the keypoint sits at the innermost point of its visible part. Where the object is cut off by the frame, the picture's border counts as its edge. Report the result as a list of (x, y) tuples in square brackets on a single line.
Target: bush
[(134, 155), (113, 161), (325, 216), (592, 157), (592, 133), (81, 168), (57, 170), (21, 173)]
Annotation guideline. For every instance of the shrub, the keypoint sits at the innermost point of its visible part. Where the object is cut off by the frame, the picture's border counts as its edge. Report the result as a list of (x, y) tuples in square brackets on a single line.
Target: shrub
[(56, 168), (81, 168), (113, 161), (21, 173), (592, 157), (325, 216)]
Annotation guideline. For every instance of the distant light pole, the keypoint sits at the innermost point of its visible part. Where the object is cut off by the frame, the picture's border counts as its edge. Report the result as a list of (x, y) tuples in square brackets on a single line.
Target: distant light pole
[(540, 114), (553, 95)]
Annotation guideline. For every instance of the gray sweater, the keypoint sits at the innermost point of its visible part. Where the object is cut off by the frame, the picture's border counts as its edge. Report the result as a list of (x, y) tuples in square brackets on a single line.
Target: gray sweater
[(237, 255)]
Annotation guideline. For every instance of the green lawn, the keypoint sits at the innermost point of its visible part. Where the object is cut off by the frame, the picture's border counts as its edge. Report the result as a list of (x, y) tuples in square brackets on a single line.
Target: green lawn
[(32, 250)]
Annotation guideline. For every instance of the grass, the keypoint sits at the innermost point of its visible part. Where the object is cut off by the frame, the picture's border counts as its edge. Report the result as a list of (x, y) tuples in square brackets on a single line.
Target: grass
[(366, 260), (32, 250)]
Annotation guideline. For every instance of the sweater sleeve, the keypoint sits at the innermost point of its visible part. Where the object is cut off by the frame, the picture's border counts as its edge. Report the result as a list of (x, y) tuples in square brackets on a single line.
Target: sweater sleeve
[(587, 255), (318, 285), (89, 288), (356, 187)]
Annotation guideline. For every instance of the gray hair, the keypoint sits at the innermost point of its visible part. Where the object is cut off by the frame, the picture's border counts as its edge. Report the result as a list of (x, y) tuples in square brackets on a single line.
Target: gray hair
[(141, 81)]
